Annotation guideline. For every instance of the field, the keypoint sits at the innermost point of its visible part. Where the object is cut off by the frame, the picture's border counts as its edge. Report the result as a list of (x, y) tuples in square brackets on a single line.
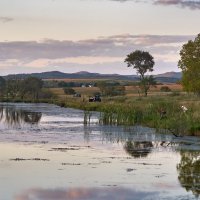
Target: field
[(129, 90)]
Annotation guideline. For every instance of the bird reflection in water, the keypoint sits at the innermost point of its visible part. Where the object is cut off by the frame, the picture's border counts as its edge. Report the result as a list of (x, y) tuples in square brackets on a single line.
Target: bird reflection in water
[(16, 117)]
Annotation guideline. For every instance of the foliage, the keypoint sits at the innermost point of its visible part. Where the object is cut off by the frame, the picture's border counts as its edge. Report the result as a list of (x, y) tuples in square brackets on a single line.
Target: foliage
[(63, 84), (190, 65), (69, 91), (143, 62), (188, 170), (46, 94), (31, 86), (165, 89), (146, 83), (13, 88), (111, 88)]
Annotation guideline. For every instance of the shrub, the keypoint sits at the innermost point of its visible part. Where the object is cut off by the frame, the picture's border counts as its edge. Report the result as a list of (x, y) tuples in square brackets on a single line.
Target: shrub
[(165, 89), (69, 91)]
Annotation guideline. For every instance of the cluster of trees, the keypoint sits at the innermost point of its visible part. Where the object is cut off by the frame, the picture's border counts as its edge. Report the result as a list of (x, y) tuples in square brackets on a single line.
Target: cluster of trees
[(63, 84), (111, 88), (29, 88), (190, 65)]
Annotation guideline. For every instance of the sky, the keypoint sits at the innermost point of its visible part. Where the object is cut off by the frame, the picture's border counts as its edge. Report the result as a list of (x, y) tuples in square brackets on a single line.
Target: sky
[(93, 35)]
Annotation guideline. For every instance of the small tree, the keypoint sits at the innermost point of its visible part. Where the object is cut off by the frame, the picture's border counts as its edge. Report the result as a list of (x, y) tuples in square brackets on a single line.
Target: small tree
[(190, 65), (69, 91), (31, 86), (165, 89), (143, 62), (13, 88)]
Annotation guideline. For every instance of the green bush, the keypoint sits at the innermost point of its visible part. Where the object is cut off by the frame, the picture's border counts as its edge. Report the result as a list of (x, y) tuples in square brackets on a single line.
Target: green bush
[(69, 91), (165, 89)]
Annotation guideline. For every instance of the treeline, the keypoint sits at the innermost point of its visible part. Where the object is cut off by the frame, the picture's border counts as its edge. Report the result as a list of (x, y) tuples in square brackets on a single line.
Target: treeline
[(62, 84), (30, 88)]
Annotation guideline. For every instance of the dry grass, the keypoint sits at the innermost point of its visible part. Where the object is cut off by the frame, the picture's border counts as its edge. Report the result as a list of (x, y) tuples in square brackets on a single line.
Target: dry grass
[(89, 91), (133, 90), (84, 91), (57, 91)]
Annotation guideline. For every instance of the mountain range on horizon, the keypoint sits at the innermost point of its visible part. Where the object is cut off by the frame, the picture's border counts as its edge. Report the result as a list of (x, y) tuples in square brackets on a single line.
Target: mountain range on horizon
[(164, 77)]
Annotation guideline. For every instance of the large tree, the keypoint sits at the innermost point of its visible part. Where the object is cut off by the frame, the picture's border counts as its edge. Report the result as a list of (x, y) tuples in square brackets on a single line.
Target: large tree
[(190, 65), (143, 62)]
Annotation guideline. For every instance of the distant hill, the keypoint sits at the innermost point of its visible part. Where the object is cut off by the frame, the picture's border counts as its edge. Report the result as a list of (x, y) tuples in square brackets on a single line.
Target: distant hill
[(77, 75), (169, 77), (177, 75)]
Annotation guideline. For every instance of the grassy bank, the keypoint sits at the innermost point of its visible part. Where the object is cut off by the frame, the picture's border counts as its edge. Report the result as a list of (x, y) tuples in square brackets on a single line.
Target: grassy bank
[(161, 112)]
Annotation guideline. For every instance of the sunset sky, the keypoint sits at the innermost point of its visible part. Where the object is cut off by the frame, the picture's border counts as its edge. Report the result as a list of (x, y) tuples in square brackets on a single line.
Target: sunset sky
[(93, 35)]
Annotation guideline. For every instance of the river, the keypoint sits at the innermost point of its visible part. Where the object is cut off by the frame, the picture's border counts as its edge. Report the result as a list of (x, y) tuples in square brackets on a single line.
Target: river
[(47, 153)]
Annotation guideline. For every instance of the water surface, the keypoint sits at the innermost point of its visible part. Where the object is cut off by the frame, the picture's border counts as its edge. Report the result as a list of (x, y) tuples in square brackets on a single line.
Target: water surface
[(46, 152)]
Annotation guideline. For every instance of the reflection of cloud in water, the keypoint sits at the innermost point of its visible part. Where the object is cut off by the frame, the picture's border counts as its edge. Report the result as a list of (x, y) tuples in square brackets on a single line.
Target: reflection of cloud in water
[(84, 194)]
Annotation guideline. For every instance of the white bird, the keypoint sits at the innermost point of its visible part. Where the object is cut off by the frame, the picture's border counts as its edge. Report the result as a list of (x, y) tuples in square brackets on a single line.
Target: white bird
[(184, 109)]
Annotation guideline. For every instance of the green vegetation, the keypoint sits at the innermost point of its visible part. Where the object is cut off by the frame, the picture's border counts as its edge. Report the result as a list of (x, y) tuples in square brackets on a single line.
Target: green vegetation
[(159, 110), (163, 113), (190, 65), (69, 91), (27, 90), (143, 62), (165, 89), (111, 88)]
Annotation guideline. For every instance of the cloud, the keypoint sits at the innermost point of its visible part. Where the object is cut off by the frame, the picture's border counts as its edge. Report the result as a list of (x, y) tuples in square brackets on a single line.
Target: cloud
[(84, 194), (192, 4), (103, 51), (6, 19), (113, 46)]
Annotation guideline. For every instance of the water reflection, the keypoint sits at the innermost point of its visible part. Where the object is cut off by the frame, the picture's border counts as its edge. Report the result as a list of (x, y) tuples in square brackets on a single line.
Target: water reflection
[(138, 149), (100, 150), (11, 116), (84, 194), (189, 171)]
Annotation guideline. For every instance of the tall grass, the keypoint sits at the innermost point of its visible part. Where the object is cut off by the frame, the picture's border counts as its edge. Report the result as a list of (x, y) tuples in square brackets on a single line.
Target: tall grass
[(161, 112), (164, 115)]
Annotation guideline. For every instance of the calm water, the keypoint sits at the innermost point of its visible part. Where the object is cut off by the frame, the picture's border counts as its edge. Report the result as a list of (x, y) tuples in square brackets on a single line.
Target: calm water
[(47, 153)]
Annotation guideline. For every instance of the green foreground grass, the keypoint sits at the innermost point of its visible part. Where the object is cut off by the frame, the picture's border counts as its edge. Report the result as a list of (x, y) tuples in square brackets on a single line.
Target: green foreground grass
[(161, 112)]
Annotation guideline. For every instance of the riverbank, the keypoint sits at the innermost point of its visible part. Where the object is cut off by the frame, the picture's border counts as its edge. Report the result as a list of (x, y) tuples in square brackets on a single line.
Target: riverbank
[(160, 112)]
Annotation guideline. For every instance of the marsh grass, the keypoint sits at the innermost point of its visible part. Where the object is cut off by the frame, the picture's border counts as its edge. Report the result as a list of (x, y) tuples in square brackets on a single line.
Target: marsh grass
[(161, 112), (164, 114)]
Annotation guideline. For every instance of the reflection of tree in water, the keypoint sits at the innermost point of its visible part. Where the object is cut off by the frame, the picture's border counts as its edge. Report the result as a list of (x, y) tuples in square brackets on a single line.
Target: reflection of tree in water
[(189, 171), (12, 116), (138, 149)]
